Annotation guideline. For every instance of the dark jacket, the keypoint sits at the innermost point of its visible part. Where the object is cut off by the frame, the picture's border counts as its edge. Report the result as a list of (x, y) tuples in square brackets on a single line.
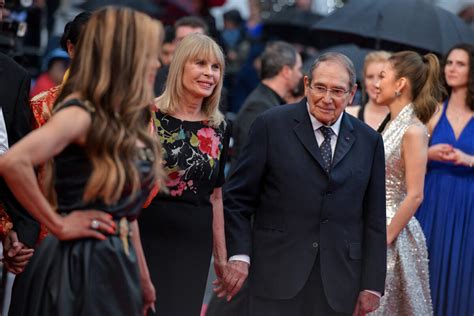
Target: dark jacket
[(14, 91), (301, 211), (260, 100)]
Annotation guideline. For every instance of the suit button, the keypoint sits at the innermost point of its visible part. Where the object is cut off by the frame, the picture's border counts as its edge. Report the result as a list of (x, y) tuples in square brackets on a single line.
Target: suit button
[(315, 245), (324, 221)]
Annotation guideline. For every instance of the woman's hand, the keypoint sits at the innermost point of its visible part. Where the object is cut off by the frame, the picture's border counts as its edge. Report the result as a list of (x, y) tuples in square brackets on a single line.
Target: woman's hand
[(85, 224), (441, 152), (149, 296), (461, 158)]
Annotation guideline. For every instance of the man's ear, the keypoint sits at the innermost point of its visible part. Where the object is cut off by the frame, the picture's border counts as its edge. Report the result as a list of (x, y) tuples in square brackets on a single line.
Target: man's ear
[(306, 85), (285, 71), (352, 93)]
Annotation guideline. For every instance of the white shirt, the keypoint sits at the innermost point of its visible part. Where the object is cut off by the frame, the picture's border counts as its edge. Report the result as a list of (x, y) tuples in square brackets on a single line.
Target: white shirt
[(336, 127), (3, 134)]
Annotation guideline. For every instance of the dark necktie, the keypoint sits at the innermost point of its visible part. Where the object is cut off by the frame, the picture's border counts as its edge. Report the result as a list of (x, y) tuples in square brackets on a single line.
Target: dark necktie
[(325, 147)]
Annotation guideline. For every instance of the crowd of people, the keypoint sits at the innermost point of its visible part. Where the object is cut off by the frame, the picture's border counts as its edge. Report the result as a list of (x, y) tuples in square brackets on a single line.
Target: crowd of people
[(126, 180)]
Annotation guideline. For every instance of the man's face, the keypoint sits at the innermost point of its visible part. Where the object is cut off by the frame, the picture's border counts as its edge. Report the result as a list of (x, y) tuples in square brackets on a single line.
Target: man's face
[(296, 73), (184, 30), (327, 107), (167, 51)]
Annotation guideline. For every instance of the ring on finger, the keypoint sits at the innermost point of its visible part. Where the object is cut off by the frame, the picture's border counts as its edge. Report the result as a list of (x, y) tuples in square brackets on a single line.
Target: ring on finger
[(95, 224)]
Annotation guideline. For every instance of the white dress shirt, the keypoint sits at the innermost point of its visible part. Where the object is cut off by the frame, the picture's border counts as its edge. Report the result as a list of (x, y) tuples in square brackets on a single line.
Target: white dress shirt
[(3, 134), (336, 127)]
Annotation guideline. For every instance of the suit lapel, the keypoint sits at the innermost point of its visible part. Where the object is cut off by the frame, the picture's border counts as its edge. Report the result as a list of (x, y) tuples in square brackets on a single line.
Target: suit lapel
[(305, 133), (344, 141)]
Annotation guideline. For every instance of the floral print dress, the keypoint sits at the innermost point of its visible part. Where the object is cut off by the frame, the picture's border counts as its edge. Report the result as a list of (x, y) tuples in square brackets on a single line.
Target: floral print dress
[(176, 228)]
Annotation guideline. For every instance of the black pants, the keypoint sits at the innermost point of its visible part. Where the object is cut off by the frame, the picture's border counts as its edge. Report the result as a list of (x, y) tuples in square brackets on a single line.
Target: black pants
[(310, 301)]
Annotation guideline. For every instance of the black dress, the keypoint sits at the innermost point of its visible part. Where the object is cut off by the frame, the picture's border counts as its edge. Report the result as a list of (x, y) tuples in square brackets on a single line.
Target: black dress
[(84, 276), (176, 228)]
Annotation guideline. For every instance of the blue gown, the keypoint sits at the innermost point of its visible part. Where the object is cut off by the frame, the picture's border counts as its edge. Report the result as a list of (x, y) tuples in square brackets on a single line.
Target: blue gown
[(447, 219)]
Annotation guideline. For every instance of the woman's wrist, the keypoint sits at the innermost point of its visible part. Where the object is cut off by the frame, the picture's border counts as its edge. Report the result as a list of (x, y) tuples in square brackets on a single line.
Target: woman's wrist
[(56, 225)]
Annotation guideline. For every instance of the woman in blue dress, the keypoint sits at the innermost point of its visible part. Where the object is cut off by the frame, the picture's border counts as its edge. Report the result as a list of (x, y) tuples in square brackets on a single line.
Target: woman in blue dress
[(447, 212)]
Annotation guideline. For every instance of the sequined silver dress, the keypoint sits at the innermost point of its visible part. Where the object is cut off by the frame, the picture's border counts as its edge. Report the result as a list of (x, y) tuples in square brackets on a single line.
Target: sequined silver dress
[(407, 288)]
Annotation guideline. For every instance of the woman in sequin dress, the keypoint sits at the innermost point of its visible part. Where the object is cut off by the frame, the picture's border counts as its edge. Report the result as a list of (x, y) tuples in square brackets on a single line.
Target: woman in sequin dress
[(447, 212), (181, 229), (410, 86)]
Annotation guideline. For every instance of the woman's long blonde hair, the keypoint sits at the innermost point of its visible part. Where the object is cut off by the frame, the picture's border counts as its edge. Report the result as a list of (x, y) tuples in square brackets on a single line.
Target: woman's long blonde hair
[(109, 70), (192, 47)]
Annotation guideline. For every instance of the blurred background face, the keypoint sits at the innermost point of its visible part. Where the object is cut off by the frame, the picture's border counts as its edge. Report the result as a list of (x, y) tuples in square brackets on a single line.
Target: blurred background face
[(182, 31), (296, 72), (456, 70), (167, 51), (386, 84), (57, 69), (372, 73)]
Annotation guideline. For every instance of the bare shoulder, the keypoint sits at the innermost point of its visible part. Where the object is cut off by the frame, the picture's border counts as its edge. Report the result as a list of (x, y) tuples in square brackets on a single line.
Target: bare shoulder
[(416, 134), (73, 122)]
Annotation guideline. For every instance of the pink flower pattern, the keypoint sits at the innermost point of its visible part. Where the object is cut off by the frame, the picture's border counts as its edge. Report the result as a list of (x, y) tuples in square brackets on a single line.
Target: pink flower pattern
[(191, 154)]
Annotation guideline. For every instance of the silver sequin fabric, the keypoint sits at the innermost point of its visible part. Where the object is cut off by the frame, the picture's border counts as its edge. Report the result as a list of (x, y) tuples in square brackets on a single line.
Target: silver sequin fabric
[(407, 289)]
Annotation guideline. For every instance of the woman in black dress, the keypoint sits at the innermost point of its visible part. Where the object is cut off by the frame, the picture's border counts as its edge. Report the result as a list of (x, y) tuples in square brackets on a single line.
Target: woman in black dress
[(105, 167), (181, 229)]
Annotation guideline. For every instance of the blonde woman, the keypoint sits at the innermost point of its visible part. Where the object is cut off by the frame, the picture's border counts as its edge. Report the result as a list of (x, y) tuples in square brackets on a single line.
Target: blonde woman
[(180, 230), (105, 165), (372, 113)]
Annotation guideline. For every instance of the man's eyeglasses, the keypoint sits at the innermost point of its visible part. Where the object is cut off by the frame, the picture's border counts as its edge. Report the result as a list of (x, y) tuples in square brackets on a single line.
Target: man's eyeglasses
[(333, 92)]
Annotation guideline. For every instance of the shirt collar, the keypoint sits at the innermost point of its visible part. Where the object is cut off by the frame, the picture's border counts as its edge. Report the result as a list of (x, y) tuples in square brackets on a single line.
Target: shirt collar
[(336, 127)]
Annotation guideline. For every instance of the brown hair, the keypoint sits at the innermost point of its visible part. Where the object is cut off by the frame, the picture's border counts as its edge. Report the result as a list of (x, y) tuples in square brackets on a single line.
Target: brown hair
[(469, 49), (109, 71), (422, 73)]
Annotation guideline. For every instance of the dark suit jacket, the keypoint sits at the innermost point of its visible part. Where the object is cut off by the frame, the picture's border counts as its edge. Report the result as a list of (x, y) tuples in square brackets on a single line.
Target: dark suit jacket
[(14, 91), (301, 211), (261, 99)]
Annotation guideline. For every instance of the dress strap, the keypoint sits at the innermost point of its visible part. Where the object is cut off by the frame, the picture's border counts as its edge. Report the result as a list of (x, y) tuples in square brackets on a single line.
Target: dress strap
[(84, 104)]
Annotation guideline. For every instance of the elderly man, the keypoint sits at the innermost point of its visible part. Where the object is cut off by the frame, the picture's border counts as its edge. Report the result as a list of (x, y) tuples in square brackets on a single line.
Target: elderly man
[(313, 177)]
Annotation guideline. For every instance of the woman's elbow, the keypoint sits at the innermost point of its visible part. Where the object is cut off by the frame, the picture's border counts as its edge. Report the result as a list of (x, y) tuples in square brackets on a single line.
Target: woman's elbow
[(417, 199)]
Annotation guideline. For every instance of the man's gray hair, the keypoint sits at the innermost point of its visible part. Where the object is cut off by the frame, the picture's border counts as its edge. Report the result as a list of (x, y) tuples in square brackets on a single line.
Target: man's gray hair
[(277, 55), (338, 58)]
